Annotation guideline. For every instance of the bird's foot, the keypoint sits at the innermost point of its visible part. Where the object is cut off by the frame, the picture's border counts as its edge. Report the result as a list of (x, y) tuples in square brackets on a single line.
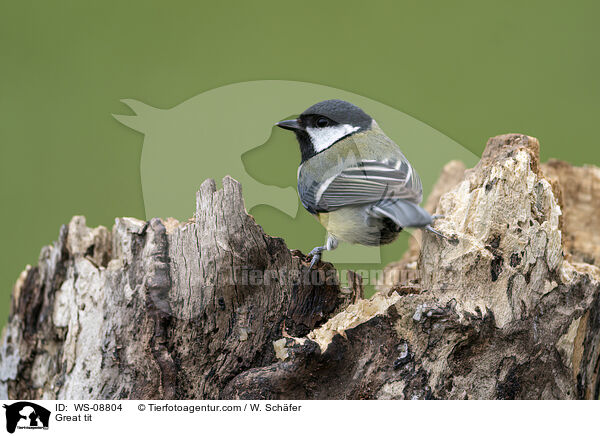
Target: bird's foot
[(315, 253), (452, 239), (437, 217)]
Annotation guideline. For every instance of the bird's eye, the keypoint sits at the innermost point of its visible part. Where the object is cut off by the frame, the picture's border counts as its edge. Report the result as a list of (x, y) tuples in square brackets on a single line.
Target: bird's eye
[(322, 122)]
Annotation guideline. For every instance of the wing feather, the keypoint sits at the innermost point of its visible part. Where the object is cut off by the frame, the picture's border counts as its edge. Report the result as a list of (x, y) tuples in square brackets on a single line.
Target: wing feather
[(366, 182)]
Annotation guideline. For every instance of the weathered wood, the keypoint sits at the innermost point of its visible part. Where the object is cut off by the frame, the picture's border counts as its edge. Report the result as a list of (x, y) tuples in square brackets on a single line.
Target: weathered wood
[(502, 314), (214, 308), (158, 309)]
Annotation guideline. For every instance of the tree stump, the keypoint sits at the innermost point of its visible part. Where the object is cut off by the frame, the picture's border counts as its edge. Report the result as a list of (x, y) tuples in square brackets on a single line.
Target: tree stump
[(214, 308)]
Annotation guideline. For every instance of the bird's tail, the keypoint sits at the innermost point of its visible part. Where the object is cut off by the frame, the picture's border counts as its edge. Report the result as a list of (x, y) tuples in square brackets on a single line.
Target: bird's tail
[(402, 212)]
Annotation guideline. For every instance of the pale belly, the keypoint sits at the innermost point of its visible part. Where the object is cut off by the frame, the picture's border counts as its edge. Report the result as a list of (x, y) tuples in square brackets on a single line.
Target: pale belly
[(353, 225)]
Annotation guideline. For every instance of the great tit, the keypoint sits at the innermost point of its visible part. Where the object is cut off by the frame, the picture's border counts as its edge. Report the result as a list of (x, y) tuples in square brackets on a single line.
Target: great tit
[(353, 178)]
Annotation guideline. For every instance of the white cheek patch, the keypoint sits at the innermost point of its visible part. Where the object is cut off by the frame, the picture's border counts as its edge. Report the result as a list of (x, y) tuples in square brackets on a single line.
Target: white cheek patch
[(325, 137)]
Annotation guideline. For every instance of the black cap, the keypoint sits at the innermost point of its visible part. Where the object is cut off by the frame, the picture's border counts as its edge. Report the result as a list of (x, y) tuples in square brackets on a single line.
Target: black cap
[(341, 112)]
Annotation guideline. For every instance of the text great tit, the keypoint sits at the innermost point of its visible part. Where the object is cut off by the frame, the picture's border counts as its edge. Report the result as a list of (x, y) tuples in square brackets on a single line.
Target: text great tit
[(353, 178)]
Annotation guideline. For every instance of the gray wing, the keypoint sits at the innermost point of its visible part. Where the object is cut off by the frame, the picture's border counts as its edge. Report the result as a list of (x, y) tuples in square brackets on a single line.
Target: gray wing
[(367, 182)]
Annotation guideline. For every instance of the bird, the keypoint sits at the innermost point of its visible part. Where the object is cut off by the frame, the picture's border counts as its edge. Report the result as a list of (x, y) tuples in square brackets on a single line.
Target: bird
[(354, 179)]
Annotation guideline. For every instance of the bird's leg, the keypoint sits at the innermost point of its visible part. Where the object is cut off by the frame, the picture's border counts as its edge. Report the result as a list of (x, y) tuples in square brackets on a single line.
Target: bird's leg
[(441, 235), (435, 232), (315, 253)]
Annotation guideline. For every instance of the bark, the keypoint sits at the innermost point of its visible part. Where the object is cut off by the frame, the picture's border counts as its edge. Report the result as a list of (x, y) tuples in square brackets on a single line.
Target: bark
[(214, 308)]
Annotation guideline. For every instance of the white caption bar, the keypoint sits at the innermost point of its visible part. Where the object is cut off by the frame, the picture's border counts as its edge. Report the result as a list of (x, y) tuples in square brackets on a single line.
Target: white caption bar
[(297, 417)]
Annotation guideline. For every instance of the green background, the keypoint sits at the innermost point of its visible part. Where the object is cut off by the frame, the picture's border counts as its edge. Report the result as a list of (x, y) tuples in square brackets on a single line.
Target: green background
[(469, 69)]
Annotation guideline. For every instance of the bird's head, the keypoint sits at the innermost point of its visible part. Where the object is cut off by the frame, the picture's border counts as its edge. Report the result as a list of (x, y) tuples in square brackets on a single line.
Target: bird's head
[(325, 123)]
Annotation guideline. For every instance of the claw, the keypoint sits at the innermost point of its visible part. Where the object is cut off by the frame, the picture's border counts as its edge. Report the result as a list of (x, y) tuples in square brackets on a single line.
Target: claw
[(454, 239), (315, 253), (316, 258), (437, 217)]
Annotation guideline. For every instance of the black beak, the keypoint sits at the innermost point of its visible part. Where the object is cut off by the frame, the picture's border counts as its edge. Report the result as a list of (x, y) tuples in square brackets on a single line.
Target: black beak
[(289, 125)]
